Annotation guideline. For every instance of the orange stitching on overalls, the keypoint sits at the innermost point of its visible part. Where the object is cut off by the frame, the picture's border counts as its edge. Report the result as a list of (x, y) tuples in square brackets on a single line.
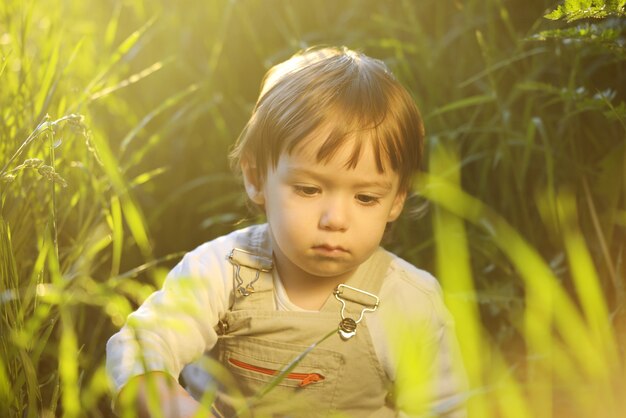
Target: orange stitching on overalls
[(304, 378)]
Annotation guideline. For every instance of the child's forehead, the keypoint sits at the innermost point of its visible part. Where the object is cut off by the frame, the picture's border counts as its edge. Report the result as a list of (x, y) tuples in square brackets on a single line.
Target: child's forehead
[(311, 145), (325, 145)]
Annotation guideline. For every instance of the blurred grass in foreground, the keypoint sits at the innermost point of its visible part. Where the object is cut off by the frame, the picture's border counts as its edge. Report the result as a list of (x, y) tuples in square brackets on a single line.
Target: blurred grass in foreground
[(116, 120), (575, 366)]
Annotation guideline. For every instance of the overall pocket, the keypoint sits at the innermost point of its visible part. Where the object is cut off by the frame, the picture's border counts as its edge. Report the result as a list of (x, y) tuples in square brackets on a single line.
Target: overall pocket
[(303, 379), (307, 390)]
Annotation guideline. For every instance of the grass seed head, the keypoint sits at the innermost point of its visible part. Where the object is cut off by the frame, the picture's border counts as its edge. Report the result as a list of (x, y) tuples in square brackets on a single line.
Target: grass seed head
[(50, 174), (32, 163), (8, 178)]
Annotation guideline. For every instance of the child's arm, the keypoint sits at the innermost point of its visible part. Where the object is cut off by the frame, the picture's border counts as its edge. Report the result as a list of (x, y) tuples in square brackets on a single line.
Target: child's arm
[(175, 325), (157, 394)]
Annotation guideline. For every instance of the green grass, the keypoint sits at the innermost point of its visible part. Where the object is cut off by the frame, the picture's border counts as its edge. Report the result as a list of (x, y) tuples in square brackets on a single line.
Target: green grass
[(116, 122)]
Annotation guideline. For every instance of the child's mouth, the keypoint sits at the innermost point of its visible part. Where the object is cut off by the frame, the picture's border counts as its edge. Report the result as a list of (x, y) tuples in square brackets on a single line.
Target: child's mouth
[(330, 249)]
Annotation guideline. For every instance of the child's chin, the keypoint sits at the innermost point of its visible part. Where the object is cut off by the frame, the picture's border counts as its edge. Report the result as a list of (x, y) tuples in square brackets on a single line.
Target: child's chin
[(329, 267)]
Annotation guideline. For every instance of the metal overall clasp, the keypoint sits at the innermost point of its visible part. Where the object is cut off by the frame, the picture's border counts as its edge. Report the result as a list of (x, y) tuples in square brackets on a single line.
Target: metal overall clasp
[(241, 258), (347, 326)]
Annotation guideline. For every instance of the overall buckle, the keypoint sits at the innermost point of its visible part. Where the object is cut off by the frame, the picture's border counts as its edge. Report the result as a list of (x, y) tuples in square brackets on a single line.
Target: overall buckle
[(242, 258), (344, 293)]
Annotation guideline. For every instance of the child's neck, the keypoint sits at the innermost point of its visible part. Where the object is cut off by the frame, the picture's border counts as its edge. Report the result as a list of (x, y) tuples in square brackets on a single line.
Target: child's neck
[(307, 291), (309, 296)]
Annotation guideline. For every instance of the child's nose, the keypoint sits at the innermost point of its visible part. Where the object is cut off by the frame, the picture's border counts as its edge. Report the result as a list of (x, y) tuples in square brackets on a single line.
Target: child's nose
[(335, 216)]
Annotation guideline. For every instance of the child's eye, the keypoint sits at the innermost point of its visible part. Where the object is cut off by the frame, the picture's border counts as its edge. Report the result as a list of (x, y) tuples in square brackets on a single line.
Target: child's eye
[(306, 190), (367, 199)]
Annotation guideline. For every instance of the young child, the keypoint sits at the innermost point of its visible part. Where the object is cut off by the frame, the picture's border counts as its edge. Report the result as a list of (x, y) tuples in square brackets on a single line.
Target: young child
[(328, 155)]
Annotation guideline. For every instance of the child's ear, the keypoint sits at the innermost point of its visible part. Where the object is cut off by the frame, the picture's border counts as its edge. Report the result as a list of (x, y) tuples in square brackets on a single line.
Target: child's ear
[(252, 183), (396, 207)]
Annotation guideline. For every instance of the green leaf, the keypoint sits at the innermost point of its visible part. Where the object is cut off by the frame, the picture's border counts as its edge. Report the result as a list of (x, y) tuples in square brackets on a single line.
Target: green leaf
[(122, 50), (463, 103), (170, 102), (46, 87), (587, 9)]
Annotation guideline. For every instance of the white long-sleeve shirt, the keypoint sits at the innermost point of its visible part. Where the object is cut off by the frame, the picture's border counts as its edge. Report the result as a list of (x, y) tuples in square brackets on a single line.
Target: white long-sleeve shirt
[(176, 324)]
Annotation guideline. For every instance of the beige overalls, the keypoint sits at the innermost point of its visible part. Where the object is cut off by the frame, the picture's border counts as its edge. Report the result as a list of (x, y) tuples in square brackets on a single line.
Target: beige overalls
[(341, 376)]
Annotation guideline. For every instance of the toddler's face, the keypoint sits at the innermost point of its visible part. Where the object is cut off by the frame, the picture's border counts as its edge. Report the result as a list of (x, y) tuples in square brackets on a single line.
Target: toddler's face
[(326, 219)]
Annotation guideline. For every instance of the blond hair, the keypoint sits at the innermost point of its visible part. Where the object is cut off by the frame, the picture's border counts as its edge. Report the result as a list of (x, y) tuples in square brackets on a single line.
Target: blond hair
[(357, 96)]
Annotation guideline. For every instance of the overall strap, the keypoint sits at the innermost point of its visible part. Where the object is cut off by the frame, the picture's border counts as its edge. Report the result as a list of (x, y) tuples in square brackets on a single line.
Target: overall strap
[(368, 278), (252, 263), (371, 274), (359, 295)]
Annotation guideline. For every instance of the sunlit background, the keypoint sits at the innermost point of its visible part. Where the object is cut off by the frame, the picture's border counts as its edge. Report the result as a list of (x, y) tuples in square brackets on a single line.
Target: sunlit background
[(117, 116)]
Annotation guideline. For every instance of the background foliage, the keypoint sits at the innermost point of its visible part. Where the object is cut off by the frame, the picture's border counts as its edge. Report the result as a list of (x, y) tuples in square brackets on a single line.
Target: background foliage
[(117, 117)]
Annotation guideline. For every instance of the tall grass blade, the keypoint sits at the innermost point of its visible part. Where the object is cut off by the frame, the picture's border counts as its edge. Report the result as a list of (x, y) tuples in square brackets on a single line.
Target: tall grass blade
[(10, 308), (130, 80), (456, 278), (132, 212), (117, 228), (46, 87), (125, 48), (167, 104), (68, 366), (587, 284), (462, 103), (547, 306), (7, 397)]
